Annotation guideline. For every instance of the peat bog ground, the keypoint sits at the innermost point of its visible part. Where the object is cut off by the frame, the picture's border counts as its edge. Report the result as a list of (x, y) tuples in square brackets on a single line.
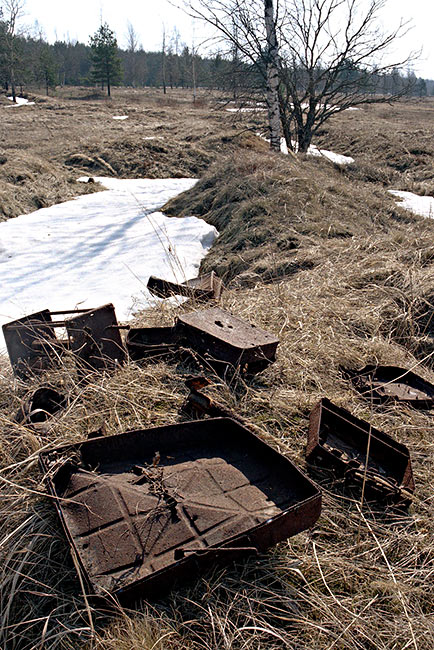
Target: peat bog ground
[(325, 258)]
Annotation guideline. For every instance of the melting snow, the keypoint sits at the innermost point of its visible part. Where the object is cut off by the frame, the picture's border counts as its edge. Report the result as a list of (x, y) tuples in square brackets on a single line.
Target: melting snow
[(421, 205), (120, 117), (20, 102), (245, 110), (99, 248), (314, 151)]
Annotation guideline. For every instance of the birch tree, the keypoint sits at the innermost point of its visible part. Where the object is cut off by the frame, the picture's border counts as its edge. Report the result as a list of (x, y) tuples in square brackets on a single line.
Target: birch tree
[(329, 55)]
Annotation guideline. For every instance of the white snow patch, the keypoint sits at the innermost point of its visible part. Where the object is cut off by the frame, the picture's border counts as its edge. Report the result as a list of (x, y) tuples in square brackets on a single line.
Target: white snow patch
[(21, 101), (421, 205), (338, 158), (313, 150), (120, 117), (99, 248), (245, 110)]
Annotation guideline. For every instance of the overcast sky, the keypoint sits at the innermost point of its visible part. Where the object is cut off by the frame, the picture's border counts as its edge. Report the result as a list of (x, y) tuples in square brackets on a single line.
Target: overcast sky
[(78, 19)]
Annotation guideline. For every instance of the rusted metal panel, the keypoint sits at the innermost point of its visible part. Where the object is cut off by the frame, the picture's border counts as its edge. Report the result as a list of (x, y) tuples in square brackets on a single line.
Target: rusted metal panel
[(31, 343), (94, 338), (151, 342), (384, 383), (359, 452), (224, 337), (144, 508), (204, 287)]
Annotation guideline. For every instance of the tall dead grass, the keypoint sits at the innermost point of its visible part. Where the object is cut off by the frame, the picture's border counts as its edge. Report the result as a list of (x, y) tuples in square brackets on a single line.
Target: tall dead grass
[(362, 578)]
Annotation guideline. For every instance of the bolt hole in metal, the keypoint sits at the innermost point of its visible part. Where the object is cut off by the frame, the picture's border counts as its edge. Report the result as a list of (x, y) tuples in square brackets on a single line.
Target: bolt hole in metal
[(220, 324)]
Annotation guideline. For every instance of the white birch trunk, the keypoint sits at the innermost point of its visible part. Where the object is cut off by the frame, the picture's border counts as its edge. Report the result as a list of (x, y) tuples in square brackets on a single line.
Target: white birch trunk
[(272, 76)]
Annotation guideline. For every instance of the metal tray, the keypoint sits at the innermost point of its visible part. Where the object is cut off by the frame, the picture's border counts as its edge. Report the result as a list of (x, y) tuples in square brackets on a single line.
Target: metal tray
[(151, 342), (223, 337), (338, 439), (383, 383), (144, 508), (204, 287)]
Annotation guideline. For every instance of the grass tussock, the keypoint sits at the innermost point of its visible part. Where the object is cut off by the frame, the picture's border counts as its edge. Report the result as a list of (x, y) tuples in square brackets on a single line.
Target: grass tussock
[(344, 277)]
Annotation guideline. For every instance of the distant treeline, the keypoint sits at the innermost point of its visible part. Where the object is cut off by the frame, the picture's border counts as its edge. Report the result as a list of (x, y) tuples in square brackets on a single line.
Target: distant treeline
[(65, 63)]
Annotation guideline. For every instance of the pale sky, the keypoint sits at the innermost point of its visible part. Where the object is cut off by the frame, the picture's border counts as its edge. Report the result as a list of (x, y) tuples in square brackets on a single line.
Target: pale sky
[(78, 19)]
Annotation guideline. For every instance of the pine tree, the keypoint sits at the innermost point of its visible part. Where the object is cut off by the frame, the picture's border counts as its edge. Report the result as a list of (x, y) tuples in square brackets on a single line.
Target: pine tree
[(106, 65)]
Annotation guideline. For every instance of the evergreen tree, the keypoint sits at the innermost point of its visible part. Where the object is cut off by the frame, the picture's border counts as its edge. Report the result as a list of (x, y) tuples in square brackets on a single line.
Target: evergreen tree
[(47, 68), (106, 65)]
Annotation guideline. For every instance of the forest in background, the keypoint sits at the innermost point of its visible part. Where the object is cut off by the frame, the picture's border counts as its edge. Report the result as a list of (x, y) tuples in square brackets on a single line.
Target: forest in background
[(176, 65)]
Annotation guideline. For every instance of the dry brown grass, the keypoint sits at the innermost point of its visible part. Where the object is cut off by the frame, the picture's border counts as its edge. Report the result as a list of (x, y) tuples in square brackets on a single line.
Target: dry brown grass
[(362, 579)]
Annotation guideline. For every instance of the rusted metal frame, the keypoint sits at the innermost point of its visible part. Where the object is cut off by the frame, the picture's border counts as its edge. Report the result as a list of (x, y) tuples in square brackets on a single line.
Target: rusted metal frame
[(397, 483)]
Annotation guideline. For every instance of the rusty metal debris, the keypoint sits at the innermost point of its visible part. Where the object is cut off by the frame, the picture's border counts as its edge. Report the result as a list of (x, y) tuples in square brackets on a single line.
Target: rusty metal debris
[(39, 405), (93, 337), (151, 342), (199, 404), (202, 288), (221, 336), (31, 342), (144, 508), (359, 452), (213, 333), (384, 383)]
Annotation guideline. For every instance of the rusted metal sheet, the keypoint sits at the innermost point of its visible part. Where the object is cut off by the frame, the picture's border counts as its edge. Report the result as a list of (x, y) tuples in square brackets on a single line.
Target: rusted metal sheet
[(95, 339), (39, 405), (223, 337), (383, 383), (151, 342), (359, 452), (31, 343), (204, 287), (144, 508)]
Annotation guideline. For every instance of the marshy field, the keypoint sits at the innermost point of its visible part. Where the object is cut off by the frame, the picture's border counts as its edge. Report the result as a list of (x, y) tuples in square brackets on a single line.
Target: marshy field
[(319, 254)]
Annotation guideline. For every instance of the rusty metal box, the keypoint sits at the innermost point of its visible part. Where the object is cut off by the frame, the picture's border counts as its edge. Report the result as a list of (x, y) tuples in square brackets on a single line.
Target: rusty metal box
[(338, 439), (224, 337), (144, 508)]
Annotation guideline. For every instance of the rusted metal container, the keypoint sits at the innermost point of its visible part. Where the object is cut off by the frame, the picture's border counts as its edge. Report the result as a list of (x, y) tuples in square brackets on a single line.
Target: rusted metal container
[(145, 508), (384, 383), (223, 337), (151, 342), (31, 343), (202, 288), (94, 338), (359, 452)]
